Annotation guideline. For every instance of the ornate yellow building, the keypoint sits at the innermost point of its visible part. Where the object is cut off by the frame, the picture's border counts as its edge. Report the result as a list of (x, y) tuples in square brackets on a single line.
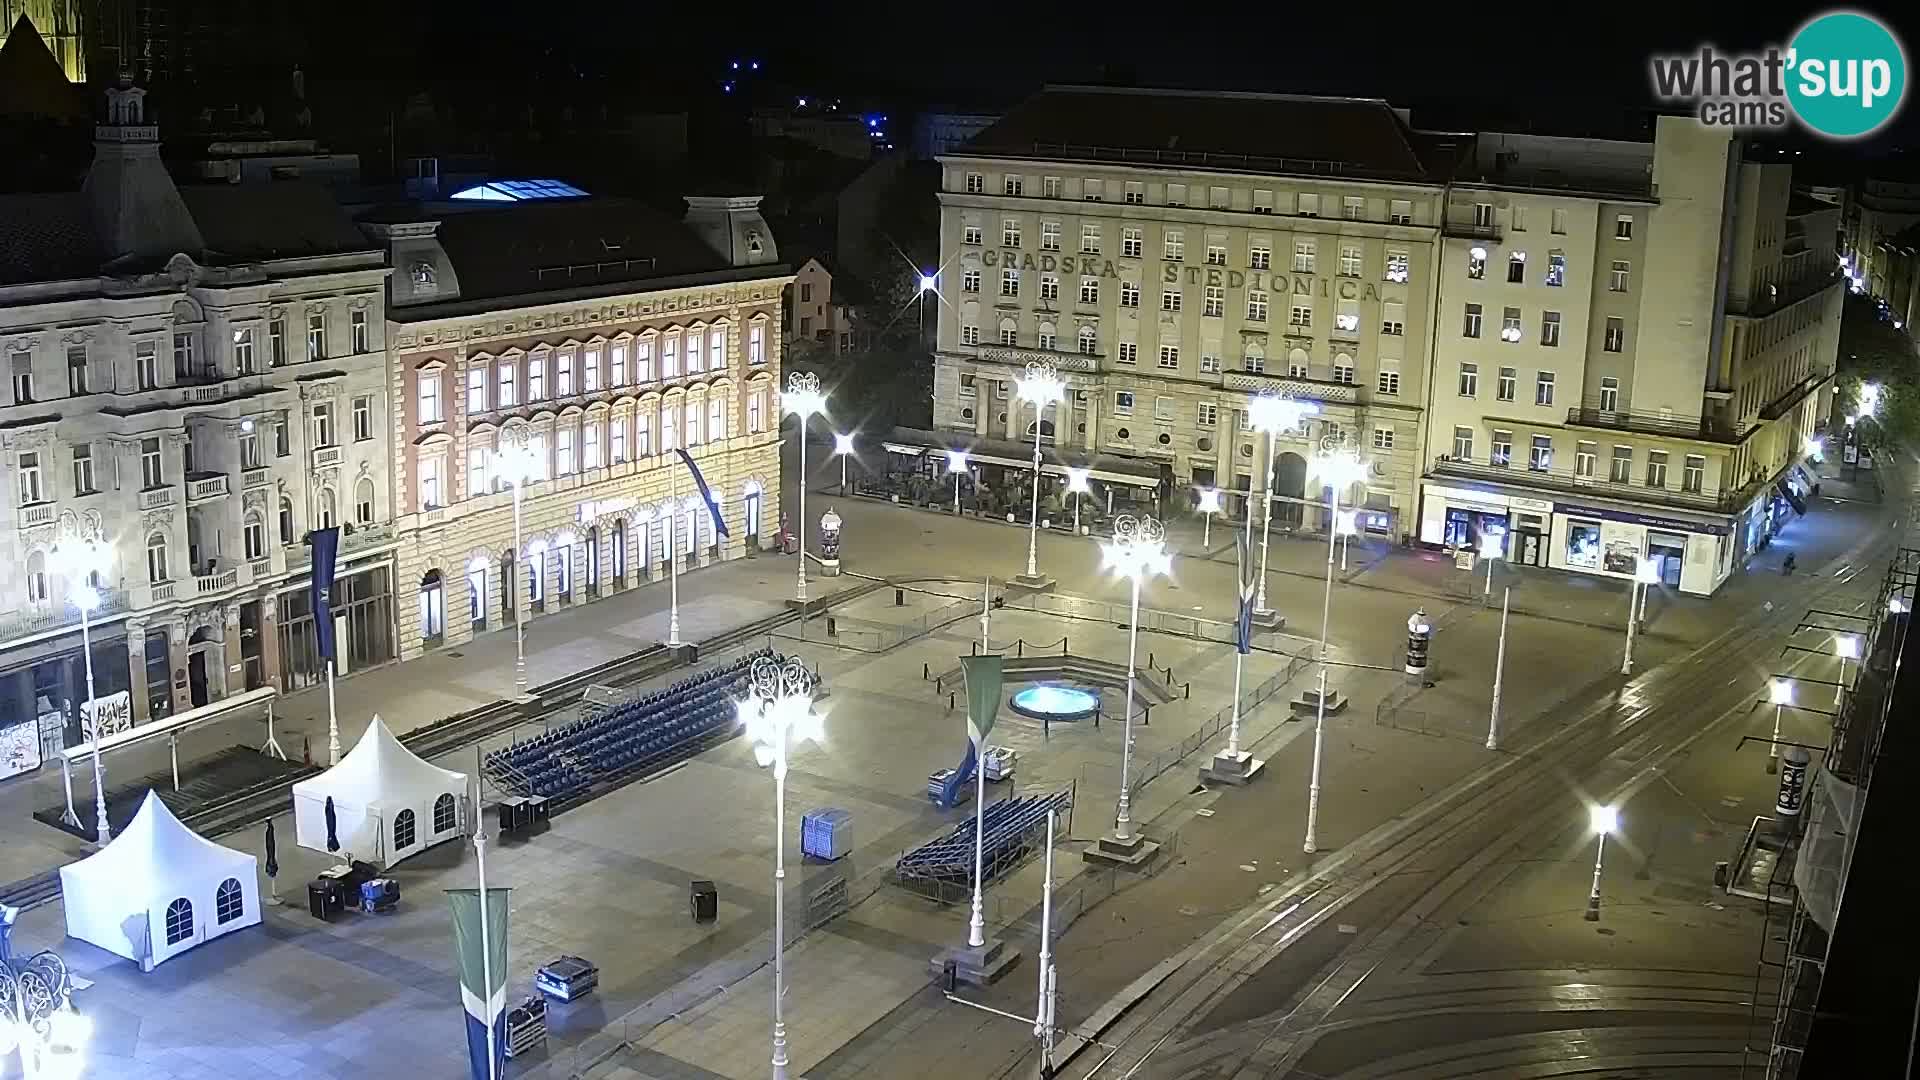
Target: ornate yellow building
[(58, 23)]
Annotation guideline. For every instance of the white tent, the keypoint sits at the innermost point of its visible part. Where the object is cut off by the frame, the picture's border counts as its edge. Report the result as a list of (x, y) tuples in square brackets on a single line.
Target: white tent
[(158, 889), (387, 802)]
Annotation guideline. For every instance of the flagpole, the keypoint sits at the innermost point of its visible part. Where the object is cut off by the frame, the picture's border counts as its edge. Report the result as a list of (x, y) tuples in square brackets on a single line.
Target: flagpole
[(486, 955), (673, 558), (977, 925), (1043, 1012), (333, 716)]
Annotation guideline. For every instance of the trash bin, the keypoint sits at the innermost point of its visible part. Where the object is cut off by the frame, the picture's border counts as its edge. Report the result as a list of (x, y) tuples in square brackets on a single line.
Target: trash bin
[(705, 902)]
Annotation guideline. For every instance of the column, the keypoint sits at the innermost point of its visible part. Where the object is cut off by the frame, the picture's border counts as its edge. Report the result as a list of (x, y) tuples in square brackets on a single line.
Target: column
[(1014, 407), (1090, 440), (137, 670), (270, 641), (234, 678), (177, 667)]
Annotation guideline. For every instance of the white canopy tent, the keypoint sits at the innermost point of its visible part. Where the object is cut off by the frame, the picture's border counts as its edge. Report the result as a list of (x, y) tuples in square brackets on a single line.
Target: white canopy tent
[(387, 802), (158, 889)]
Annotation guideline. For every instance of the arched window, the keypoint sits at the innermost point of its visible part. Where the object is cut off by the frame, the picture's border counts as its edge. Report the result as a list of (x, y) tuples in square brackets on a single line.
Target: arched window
[(179, 921), (403, 830), (254, 535), (433, 607), (1089, 341), (228, 902), (157, 558), (37, 577), (1254, 358), (286, 520), (1009, 332), (1298, 364), (363, 501), (328, 510), (444, 815)]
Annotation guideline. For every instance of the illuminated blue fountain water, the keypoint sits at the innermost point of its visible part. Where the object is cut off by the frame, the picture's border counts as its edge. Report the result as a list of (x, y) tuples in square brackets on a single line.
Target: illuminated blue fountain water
[(1055, 701)]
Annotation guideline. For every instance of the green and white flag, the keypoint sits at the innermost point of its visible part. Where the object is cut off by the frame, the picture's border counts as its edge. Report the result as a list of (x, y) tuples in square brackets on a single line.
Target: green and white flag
[(984, 677), (486, 1006)]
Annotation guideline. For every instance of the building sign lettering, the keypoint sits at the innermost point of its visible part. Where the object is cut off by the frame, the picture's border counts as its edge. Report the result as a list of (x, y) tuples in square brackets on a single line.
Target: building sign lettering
[(1297, 284), (1070, 264)]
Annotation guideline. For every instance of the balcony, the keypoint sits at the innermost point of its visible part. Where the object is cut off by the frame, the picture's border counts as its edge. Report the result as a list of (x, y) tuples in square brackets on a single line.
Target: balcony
[(1794, 395), (1018, 357), (353, 539), (1697, 428), (19, 624), (36, 514), (327, 457), (262, 568), (1333, 393), (154, 498), (207, 584), (256, 478), (205, 487), (1567, 481), (1467, 230)]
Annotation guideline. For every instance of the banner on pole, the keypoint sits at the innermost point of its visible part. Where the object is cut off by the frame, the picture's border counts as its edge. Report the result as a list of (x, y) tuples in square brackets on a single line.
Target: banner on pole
[(1243, 615), (984, 676), (326, 551), (485, 1005), (713, 508)]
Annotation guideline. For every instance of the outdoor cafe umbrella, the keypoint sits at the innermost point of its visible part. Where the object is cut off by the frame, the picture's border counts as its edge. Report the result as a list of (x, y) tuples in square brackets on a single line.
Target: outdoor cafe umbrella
[(333, 827), (273, 855)]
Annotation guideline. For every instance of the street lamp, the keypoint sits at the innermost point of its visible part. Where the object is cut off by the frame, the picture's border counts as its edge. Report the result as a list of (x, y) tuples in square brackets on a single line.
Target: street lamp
[(1137, 551), (1491, 548), (519, 462), (1813, 446), (1339, 467), (843, 449), (1209, 505), (1039, 387), (1780, 692), (1272, 412), (803, 399), (956, 464), (1846, 647), (779, 709), (81, 557), (1604, 819), (1077, 486), (1347, 524), (1647, 574)]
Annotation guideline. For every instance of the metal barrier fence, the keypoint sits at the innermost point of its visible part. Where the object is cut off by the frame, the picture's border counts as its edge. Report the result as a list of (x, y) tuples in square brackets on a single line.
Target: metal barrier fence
[(1172, 756), (873, 636), (1164, 622)]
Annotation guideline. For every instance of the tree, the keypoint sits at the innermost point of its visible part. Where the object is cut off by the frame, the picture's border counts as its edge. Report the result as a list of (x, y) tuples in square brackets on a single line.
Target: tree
[(1872, 351)]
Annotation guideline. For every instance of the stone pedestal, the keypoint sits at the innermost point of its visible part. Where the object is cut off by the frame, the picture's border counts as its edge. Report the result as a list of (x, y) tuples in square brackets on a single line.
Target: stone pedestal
[(976, 967), (1232, 768), (1306, 705), (1269, 620), (1038, 583), (1129, 854)]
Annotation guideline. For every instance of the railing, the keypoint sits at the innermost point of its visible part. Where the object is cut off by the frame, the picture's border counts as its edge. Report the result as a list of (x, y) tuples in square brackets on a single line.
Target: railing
[(19, 624), (1014, 357), (1704, 428), (256, 478), (200, 395), (300, 556), (1208, 732), (1470, 230), (326, 456), (161, 591), (1521, 475), (1780, 405), (1312, 389), (206, 487), (37, 514), (1073, 607), (213, 583), (262, 568), (153, 498)]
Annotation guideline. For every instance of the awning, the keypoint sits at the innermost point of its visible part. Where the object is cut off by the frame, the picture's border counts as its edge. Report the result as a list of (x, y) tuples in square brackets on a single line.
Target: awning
[(1055, 461)]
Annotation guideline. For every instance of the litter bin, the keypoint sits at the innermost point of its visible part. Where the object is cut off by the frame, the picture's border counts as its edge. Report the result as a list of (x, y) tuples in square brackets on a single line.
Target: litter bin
[(705, 902)]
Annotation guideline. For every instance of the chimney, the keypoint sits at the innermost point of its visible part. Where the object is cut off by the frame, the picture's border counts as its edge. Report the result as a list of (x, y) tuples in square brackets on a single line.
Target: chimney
[(732, 226)]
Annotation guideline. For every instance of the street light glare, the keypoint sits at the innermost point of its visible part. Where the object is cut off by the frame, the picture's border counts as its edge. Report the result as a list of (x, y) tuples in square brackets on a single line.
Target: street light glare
[(843, 443), (1077, 480), (1780, 692), (956, 461), (928, 282), (1847, 647), (1605, 819), (1209, 500), (1649, 572), (1341, 470), (1039, 388), (1273, 413)]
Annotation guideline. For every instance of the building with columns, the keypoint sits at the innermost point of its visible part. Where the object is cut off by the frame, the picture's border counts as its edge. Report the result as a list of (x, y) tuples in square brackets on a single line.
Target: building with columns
[(193, 373), (603, 335), (1174, 253), (1635, 341)]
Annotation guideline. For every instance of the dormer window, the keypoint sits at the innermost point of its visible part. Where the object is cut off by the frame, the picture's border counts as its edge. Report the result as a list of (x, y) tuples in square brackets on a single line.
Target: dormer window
[(423, 276), (753, 242)]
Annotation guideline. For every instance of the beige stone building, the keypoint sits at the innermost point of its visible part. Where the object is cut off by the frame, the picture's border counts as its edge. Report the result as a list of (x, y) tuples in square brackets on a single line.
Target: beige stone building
[(1176, 253), (604, 335), (1634, 343)]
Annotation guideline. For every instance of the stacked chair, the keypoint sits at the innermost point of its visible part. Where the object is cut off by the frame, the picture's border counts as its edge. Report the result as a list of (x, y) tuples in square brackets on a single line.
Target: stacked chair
[(1015, 828), (645, 732)]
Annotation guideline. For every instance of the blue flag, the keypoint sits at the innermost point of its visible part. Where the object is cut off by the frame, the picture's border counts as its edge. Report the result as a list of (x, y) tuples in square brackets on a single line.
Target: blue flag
[(1243, 618), (326, 550), (713, 508)]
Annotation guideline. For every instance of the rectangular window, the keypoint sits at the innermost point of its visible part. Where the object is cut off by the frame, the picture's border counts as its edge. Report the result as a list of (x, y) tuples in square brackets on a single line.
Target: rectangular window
[(1170, 357), (1092, 190), (1383, 438), (1623, 227), (282, 440), (323, 424), (563, 366), (1584, 457), (642, 433), (1393, 319), (1089, 341), (1089, 290), (1300, 315), (969, 334), (430, 493), (1504, 391), (1209, 365), (1609, 394), (1176, 194), (1260, 256), (670, 357), (969, 282), (1207, 414), (428, 400), (1175, 245), (563, 451), (1389, 383), (716, 350), (590, 445), (476, 471), (1550, 328), (1656, 467), (1009, 336), (1540, 455), (317, 336), (249, 450), (28, 466), (1216, 255), (277, 341), (357, 324), (1299, 369), (1131, 242), (757, 344), (1476, 263), (1262, 201), (1303, 251), (1346, 319), (537, 379), (1695, 476), (590, 371), (1400, 212), (1253, 360), (1129, 293), (1217, 198), (1123, 402), (976, 183), (1620, 276), (1463, 444), (509, 392), (83, 468), (643, 360), (1215, 303), (1353, 208), (1559, 220), (1049, 236), (1343, 372), (1483, 215), (1009, 232), (151, 474), (1517, 267), (617, 364), (1622, 469), (617, 438), (1616, 334), (1516, 218), (1309, 205), (1126, 352), (1471, 326), (1469, 380), (971, 236), (1011, 185), (146, 364), (77, 381), (1089, 239), (1049, 287), (1010, 283), (1050, 187), (1349, 262), (716, 420), (1556, 268), (183, 356), (1256, 305), (1398, 265), (1163, 408), (1501, 451), (1543, 388), (1510, 325), (1136, 193), (363, 418), (1170, 300)]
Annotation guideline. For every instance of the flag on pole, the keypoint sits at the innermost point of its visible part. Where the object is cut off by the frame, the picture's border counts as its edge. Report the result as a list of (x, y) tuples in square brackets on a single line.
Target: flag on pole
[(1243, 618), (326, 550), (484, 1005), (713, 508), (984, 675)]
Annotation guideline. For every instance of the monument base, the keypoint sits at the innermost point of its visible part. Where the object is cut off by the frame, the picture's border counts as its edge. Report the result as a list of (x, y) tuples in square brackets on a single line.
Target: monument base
[(976, 967), (1233, 769), (1269, 620), (1129, 854)]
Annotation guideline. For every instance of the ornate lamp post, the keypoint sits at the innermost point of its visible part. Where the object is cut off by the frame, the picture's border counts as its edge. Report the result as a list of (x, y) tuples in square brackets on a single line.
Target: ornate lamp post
[(957, 465), (1077, 486), (1340, 467), (1605, 819), (803, 399), (843, 449), (518, 461), (1039, 387), (1647, 574), (778, 710), (1272, 412), (1137, 551), (81, 557), (1209, 505)]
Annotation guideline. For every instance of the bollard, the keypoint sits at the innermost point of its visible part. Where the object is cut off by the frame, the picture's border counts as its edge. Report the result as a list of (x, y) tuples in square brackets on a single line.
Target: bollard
[(899, 598), (1146, 715), (833, 629), (1186, 690), (950, 698), (926, 672), (973, 647), (1019, 647)]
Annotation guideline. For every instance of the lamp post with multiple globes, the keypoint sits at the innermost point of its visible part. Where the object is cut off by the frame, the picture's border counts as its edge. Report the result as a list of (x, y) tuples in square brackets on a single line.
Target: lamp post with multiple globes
[(81, 557), (1339, 466), (520, 461), (1040, 386), (1137, 552), (1271, 412), (803, 399)]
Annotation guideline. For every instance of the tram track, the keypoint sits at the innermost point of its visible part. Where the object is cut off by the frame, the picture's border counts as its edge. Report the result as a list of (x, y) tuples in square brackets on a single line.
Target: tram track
[(1619, 740)]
